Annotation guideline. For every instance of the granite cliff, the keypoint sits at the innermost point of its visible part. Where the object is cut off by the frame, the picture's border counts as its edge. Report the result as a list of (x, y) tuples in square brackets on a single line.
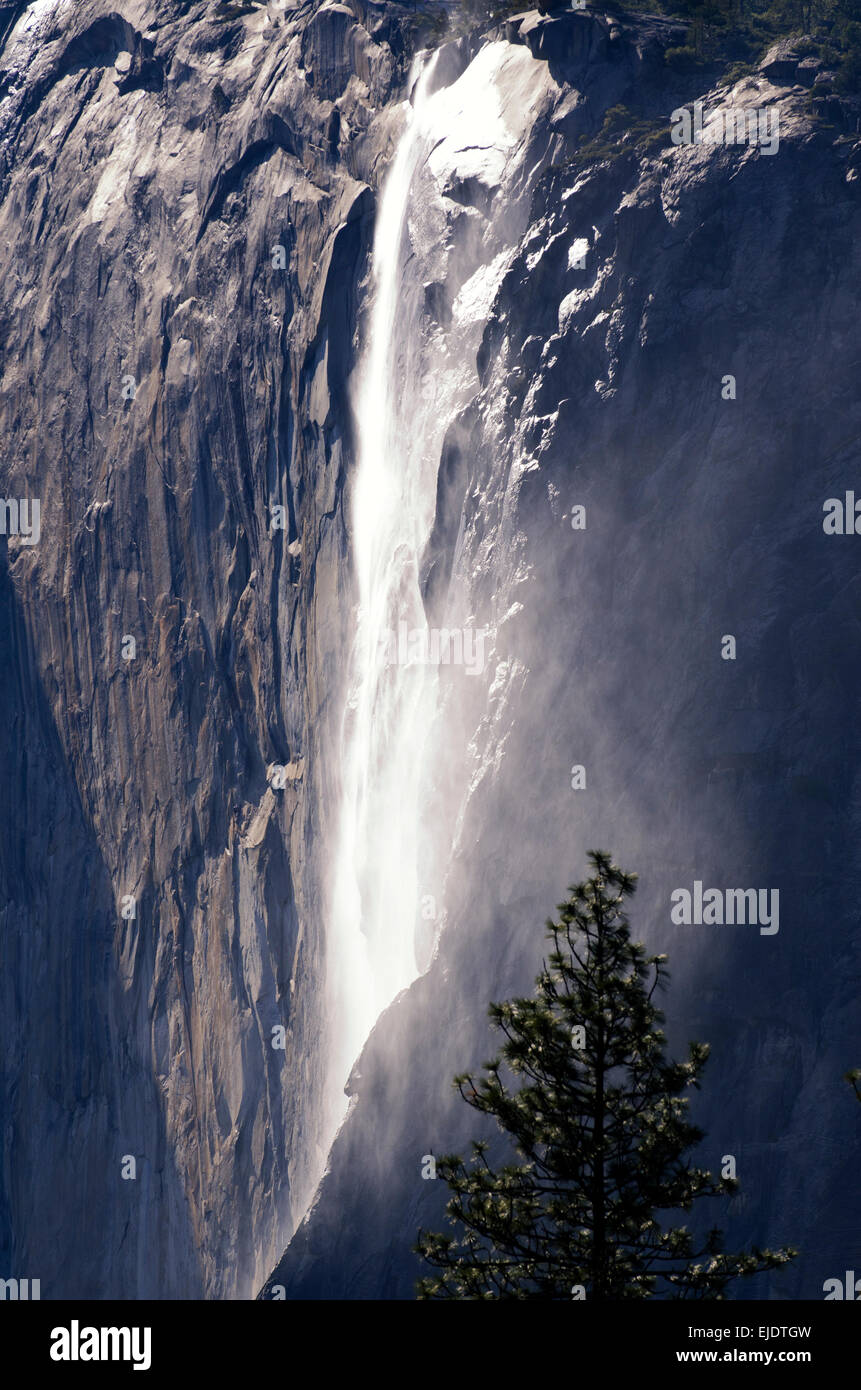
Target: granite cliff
[(188, 202)]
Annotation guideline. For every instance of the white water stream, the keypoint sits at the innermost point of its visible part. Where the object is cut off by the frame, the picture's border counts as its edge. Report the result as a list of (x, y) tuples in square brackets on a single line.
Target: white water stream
[(390, 707), (413, 378)]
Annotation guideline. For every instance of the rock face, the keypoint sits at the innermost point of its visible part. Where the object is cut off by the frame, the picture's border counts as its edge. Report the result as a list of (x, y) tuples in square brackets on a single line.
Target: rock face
[(182, 245), (634, 290), (186, 214)]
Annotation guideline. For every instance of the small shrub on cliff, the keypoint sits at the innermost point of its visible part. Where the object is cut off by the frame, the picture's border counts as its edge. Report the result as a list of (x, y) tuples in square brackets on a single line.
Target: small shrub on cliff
[(682, 59)]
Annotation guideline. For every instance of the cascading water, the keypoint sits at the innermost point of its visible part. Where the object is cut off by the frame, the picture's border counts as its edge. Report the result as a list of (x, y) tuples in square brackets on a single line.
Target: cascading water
[(416, 374), (390, 706)]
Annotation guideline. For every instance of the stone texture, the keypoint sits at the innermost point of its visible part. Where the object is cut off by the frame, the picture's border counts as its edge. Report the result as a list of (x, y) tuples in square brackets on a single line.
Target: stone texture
[(602, 387), (151, 157), (151, 160)]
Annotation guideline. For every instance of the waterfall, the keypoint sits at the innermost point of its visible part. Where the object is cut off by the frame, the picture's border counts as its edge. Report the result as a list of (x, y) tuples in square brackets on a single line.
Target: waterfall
[(390, 704), (403, 727)]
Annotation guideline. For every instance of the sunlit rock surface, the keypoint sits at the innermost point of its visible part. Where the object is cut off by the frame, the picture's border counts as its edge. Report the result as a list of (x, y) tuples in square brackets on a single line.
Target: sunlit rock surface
[(179, 227)]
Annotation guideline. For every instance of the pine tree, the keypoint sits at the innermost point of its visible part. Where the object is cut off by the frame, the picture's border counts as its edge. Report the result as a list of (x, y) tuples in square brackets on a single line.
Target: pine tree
[(600, 1127)]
